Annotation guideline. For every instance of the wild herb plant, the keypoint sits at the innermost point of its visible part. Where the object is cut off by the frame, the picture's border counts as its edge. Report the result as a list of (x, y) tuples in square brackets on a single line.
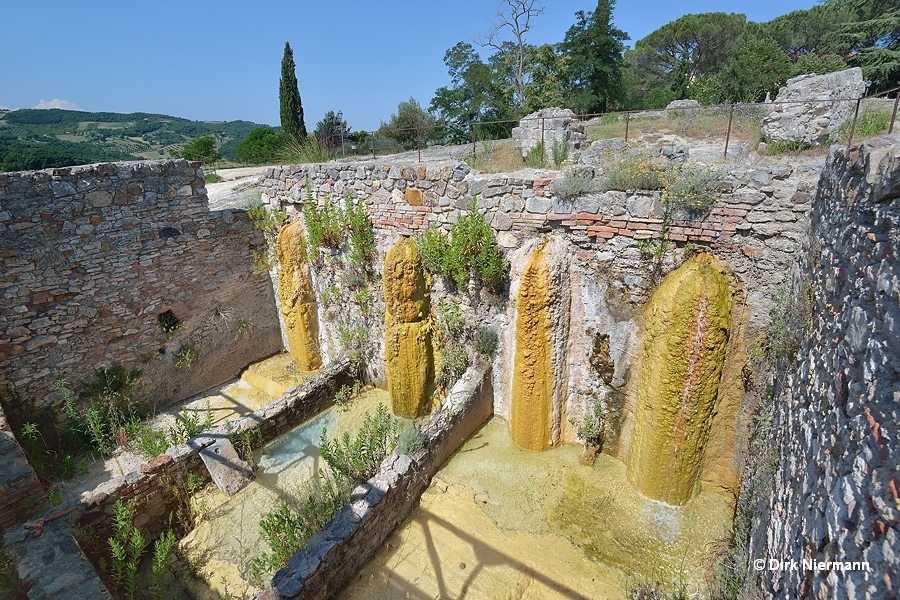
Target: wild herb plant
[(162, 558), (269, 221), (125, 549), (560, 152)]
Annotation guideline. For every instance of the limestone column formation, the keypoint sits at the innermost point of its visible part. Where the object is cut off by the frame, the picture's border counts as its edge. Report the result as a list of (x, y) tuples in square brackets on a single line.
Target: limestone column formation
[(685, 343), (298, 301), (408, 349), (538, 365)]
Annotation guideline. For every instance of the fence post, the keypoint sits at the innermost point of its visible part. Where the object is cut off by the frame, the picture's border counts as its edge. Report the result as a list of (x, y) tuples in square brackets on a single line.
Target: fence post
[(853, 127), (894, 114), (543, 147), (627, 115), (728, 133), (419, 143), (373, 145), (474, 155)]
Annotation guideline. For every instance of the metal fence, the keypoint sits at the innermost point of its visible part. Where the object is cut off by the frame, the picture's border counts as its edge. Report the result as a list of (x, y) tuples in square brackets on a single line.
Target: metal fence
[(739, 123)]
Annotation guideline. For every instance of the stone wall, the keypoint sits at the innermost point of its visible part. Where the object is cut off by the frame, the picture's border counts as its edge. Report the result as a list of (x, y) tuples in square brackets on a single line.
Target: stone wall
[(837, 484), (152, 484), (93, 255), (21, 493), (756, 228), (334, 556)]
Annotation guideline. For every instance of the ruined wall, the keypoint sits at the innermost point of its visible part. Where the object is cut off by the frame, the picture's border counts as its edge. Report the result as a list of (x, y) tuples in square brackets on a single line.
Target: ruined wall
[(21, 493), (92, 255), (837, 486), (335, 555)]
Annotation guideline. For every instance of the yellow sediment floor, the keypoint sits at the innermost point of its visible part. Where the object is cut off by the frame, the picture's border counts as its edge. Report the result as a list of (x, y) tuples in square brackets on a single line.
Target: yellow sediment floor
[(503, 522)]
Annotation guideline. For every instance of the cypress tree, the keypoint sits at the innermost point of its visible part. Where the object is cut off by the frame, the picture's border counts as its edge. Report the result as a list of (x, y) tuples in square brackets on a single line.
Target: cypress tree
[(289, 97)]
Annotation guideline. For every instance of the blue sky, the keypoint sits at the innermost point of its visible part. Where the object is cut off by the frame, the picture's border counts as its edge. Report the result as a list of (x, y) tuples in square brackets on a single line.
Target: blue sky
[(221, 61)]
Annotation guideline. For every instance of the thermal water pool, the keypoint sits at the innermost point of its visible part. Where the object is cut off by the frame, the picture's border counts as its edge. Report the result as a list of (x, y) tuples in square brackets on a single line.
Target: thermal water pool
[(228, 538)]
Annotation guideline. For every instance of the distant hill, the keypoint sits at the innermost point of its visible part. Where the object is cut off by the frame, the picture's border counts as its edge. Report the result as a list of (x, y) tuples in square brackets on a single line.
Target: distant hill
[(39, 139)]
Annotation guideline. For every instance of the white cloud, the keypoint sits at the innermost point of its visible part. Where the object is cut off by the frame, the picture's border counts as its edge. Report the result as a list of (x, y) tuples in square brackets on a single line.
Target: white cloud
[(57, 103)]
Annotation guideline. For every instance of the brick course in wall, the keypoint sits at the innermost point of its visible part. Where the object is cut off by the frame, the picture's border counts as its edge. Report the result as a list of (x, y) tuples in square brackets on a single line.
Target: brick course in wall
[(92, 255)]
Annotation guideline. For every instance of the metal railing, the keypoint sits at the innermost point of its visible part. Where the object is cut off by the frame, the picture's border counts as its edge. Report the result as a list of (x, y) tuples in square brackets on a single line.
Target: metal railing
[(736, 118)]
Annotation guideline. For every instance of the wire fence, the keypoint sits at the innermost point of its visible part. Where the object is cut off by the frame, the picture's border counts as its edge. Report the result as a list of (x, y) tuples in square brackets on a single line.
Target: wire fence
[(724, 126)]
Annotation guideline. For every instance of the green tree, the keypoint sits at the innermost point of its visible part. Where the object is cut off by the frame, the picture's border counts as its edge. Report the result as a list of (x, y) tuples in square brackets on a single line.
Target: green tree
[(818, 64), (203, 149), (707, 39), (476, 93), (595, 49), (803, 32), (873, 38), (289, 98), (681, 77), (331, 130), (262, 145), (548, 79), (410, 125), (758, 67)]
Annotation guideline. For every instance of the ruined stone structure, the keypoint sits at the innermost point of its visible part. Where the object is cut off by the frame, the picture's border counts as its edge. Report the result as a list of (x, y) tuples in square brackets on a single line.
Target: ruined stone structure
[(550, 127), (837, 484), (811, 108), (124, 264)]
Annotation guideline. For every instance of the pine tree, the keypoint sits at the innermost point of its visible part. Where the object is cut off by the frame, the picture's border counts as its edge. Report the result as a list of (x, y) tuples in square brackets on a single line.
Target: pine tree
[(289, 98)]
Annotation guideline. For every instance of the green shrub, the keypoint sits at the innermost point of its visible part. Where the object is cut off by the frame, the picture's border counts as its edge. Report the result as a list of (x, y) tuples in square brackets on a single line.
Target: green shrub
[(411, 439), (695, 188), (186, 356), (786, 147), (323, 226), (357, 459), (471, 247), (485, 340), (162, 557), (454, 362), (125, 549), (574, 184), (269, 221), (450, 319), (560, 151), (362, 234), (212, 178), (535, 157), (636, 170), (433, 246)]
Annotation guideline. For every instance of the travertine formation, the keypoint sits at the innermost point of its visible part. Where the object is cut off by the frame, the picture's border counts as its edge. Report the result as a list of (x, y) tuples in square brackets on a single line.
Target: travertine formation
[(685, 343), (298, 301), (836, 495), (811, 108), (407, 330), (541, 328)]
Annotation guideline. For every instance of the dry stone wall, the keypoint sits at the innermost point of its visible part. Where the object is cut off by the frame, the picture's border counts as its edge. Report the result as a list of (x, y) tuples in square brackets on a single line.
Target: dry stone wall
[(93, 255), (836, 497)]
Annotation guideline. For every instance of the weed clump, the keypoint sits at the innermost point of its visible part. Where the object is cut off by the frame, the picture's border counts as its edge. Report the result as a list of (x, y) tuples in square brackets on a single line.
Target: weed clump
[(470, 249)]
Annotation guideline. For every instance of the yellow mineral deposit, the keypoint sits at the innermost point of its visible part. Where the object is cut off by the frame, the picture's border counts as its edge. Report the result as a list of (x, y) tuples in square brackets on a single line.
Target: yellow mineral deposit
[(685, 342), (408, 349), (532, 385), (298, 301)]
